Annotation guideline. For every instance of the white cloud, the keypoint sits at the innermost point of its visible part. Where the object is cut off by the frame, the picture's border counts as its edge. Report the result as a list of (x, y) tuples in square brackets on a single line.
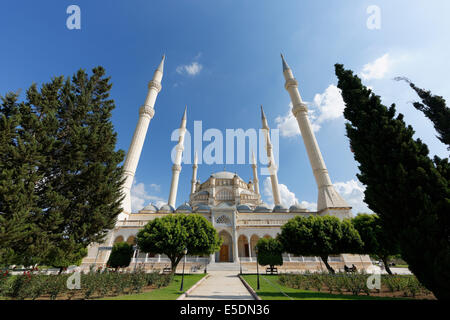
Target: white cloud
[(191, 69), (287, 124), (326, 106), (377, 69), (140, 197), (353, 192), (311, 206), (330, 104), (288, 198)]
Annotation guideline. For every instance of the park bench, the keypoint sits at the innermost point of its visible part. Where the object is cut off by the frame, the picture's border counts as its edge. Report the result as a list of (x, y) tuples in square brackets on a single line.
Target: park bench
[(271, 270), (351, 269), (167, 270)]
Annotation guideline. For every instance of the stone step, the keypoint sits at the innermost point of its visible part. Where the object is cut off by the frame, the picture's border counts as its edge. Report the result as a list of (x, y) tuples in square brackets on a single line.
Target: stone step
[(225, 266)]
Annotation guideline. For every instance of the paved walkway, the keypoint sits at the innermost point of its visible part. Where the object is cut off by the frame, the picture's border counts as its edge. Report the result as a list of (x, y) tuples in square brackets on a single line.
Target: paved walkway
[(221, 285)]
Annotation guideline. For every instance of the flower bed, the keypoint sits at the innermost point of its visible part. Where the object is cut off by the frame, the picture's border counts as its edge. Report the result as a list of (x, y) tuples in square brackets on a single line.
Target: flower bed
[(92, 285), (356, 283)]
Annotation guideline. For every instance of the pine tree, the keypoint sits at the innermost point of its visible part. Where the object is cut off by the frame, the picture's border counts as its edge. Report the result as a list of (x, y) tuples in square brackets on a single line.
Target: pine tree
[(78, 190), (18, 177), (403, 185)]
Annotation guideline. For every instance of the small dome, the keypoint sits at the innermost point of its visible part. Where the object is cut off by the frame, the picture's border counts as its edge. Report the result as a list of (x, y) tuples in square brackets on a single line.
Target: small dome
[(166, 209), (150, 208), (243, 208), (262, 208), (297, 208), (185, 207), (203, 208), (280, 208)]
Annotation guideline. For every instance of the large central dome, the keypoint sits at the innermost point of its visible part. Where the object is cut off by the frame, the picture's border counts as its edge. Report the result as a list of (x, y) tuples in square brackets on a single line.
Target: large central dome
[(224, 175)]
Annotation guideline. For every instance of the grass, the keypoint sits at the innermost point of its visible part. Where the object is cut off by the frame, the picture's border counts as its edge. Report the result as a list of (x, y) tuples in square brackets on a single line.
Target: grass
[(271, 289), (171, 292)]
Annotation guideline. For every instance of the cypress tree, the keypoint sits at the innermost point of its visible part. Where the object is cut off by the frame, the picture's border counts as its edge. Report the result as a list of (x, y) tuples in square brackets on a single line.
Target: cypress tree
[(435, 109), (403, 185)]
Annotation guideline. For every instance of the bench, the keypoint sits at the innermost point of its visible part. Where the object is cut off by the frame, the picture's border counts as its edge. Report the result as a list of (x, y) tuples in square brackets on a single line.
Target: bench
[(167, 270), (271, 270)]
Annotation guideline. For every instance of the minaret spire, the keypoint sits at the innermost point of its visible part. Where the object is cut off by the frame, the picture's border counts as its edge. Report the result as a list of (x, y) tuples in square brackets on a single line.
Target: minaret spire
[(194, 173), (272, 165), (328, 197), (146, 113), (255, 173), (176, 168)]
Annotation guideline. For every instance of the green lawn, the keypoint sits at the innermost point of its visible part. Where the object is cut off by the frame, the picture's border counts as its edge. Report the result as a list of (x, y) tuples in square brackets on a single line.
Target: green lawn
[(271, 289), (171, 292)]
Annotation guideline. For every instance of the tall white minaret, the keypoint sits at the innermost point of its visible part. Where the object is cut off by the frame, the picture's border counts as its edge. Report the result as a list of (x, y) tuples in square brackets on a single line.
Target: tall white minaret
[(255, 174), (272, 165), (328, 197), (146, 113), (194, 173), (176, 168)]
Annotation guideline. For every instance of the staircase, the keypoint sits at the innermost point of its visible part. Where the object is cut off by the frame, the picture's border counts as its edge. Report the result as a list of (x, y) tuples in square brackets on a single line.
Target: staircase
[(225, 266)]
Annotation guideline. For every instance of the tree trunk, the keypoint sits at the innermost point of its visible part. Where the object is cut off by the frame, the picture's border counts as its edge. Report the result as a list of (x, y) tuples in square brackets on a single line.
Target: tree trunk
[(174, 263), (325, 261), (386, 265), (60, 270)]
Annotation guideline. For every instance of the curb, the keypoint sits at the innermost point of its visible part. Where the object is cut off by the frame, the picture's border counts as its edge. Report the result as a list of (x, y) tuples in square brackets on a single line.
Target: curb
[(249, 288), (184, 295)]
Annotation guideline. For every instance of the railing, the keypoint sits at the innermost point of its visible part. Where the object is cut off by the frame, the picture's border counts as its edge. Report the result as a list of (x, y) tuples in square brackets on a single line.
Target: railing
[(255, 222), (131, 223)]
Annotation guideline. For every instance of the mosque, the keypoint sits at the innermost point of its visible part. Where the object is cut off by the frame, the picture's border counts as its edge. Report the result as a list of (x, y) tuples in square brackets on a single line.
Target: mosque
[(233, 206)]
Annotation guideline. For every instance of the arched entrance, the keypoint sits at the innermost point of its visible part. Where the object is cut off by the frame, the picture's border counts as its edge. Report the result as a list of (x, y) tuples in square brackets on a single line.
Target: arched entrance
[(243, 246), (253, 240), (225, 253)]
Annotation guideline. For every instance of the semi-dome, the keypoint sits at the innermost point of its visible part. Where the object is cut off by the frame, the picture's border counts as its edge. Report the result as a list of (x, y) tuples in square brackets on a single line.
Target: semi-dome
[(297, 208), (262, 208), (167, 208), (280, 208), (243, 208), (203, 208), (185, 207), (150, 208)]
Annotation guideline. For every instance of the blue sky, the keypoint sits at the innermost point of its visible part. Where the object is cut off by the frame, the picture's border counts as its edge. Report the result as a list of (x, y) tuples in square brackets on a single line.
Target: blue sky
[(232, 50)]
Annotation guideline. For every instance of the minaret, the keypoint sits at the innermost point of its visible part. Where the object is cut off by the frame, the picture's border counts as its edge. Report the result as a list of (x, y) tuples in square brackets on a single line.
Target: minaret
[(146, 113), (272, 165), (255, 174), (328, 197), (176, 168), (194, 173)]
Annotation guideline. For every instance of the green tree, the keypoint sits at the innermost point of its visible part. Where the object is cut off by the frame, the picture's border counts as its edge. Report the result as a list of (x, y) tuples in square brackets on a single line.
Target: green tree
[(120, 256), (18, 178), (269, 253), (319, 236), (74, 183), (376, 240), (404, 186), (435, 109), (169, 235)]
